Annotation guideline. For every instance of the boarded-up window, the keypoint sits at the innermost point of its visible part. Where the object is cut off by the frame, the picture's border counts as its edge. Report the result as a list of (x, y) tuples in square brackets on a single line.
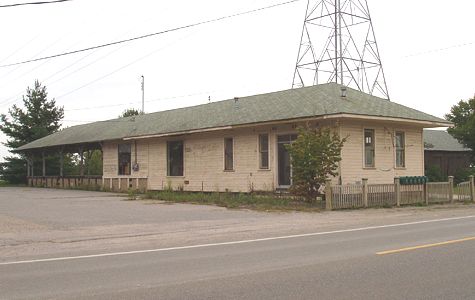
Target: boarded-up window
[(369, 148), (264, 151), (124, 158), (228, 154), (175, 158), (400, 149)]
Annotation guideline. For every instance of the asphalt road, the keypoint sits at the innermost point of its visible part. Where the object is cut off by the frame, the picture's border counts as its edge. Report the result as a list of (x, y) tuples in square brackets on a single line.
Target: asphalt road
[(342, 264)]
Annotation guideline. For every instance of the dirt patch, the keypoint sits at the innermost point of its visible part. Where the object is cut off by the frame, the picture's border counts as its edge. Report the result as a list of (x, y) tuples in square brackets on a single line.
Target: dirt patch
[(16, 225)]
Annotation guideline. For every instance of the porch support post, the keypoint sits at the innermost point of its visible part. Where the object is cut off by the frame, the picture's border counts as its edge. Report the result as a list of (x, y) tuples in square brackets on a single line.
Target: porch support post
[(28, 167), (81, 165), (451, 189), (328, 194), (32, 158), (61, 163), (397, 190), (88, 167), (472, 187), (43, 158)]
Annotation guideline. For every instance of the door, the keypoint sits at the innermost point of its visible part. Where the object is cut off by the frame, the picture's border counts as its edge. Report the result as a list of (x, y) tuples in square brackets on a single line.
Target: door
[(284, 165)]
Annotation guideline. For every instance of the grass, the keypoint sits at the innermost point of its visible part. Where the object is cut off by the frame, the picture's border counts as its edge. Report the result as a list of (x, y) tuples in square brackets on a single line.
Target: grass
[(4, 183), (260, 202)]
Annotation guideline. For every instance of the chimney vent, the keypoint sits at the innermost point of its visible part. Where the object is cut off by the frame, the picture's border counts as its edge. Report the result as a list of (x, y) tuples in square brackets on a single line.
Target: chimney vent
[(343, 91)]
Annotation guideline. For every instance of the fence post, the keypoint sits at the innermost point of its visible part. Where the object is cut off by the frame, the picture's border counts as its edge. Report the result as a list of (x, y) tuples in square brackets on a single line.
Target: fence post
[(472, 187), (397, 190), (426, 193), (365, 191), (451, 189), (328, 194)]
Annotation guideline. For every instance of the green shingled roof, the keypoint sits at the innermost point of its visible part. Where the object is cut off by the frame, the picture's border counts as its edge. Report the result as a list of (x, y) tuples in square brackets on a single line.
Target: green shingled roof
[(441, 140), (319, 100)]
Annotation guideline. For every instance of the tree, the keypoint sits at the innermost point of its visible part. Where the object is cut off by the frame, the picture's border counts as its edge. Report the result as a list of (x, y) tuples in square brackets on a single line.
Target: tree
[(434, 173), (129, 113), (39, 117), (315, 155), (463, 117)]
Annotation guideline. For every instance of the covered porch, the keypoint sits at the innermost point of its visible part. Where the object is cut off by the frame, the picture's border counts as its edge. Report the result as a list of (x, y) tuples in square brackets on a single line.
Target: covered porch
[(82, 177)]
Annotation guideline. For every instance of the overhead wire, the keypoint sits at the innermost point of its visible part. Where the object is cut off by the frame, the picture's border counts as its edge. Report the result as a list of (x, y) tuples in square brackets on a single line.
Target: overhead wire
[(85, 56), (150, 34), (140, 37), (14, 99), (439, 49), (136, 102), (33, 3), (118, 69)]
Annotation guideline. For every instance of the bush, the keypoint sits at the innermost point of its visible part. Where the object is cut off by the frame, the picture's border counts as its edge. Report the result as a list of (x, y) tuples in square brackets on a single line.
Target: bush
[(463, 174), (315, 156), (434, 173)]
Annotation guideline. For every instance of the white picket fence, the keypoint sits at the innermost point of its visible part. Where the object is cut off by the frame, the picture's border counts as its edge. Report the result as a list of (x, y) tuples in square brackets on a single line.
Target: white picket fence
[(386, 195), (463, 191)]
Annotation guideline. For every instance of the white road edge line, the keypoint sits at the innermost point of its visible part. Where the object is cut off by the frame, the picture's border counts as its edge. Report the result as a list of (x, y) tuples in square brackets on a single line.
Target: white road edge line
[(232, 242)]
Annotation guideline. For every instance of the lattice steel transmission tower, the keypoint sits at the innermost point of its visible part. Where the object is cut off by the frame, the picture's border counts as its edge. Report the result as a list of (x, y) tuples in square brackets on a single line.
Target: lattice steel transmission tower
[(338, 45)]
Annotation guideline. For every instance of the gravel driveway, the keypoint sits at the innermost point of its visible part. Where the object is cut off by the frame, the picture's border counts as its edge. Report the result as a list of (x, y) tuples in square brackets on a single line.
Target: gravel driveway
[(36, 222)]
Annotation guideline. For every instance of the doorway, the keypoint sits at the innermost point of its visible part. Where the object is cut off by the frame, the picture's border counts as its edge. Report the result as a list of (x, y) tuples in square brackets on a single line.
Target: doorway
[(284, 165)]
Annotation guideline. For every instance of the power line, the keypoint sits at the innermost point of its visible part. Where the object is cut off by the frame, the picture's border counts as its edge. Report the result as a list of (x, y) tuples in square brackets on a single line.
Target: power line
[(14, 99), (116, 70), (150, 34), (34, 3), (136, 102), (439, 49)]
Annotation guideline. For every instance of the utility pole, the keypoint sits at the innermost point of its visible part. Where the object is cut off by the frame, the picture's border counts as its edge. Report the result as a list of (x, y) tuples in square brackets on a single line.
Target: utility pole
[(143, 94)]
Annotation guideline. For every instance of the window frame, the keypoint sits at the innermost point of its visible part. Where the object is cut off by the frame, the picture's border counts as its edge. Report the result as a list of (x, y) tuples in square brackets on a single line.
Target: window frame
[(260, 151), (182, 158), (373, 148), (119, 155), (402, 149), (225, 166)]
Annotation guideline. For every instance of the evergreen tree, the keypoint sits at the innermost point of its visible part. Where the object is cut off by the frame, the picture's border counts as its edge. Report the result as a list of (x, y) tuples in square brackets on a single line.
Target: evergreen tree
[(129, 113), (39, 118)]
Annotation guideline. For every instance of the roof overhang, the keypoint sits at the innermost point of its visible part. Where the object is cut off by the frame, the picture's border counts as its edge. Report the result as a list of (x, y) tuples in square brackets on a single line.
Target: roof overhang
[(419, 123)]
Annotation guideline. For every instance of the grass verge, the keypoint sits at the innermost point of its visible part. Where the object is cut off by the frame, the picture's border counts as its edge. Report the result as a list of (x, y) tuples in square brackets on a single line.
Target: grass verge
[(260, 202), (4, 183)]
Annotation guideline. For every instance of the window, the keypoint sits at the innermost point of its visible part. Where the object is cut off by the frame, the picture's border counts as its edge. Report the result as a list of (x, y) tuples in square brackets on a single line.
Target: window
[(263, 151), (400, 150), (124, 158), (228, 154), (369, 148), (175, 158)]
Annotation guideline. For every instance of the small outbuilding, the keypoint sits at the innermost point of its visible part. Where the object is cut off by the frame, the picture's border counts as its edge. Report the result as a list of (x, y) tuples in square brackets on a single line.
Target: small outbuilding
[(444, 151), (238, 145)]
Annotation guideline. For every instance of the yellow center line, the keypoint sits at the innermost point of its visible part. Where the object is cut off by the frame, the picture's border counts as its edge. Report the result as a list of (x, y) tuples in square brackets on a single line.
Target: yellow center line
[(425, 246)]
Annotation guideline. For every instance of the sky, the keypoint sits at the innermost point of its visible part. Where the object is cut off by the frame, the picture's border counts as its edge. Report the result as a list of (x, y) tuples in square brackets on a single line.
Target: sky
[(427, 50)]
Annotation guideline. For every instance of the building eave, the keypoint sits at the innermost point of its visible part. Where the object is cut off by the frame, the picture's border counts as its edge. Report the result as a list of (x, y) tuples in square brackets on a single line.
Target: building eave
[(421, 123)]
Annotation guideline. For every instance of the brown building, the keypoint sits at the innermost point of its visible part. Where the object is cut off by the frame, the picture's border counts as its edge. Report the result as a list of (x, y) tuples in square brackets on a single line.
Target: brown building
[(444, 151)]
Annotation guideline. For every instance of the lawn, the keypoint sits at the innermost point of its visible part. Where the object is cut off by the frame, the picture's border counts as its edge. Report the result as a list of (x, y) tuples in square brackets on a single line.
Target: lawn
[(261, 202)]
